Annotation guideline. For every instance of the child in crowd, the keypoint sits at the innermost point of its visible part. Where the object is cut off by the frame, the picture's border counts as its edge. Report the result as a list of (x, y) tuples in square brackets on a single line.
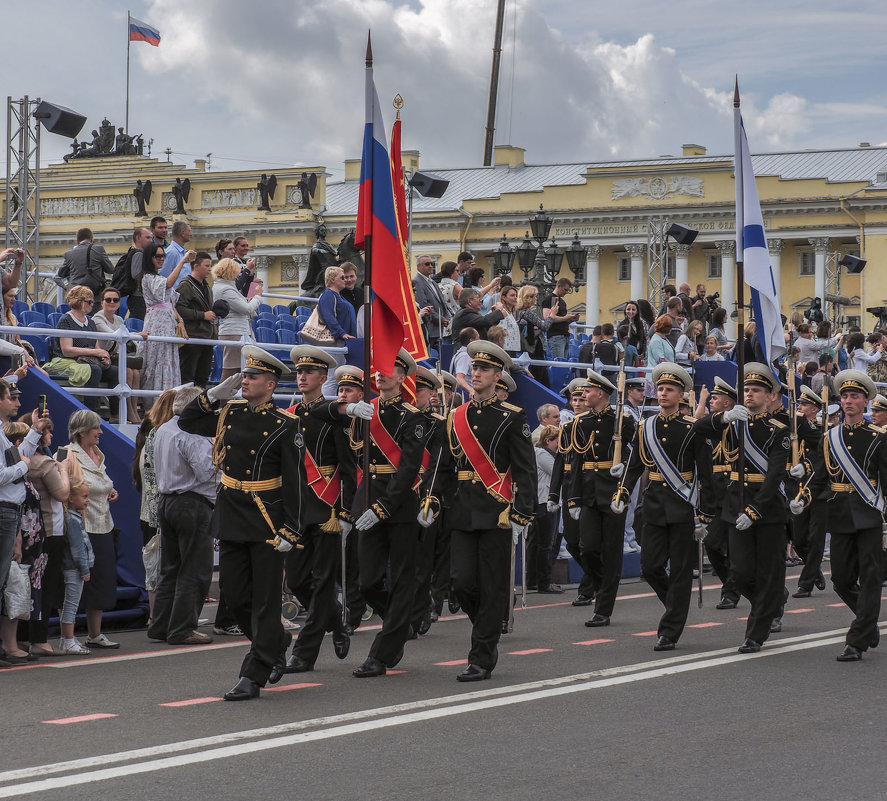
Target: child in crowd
[(711, 351), (76, 566)]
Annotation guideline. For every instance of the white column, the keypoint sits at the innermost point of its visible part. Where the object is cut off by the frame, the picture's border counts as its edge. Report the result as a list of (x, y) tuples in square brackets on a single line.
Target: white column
[(262, 265), (592, 285), (681, 264), (774, 246), (727, 248), (820, 248), (637, 250)]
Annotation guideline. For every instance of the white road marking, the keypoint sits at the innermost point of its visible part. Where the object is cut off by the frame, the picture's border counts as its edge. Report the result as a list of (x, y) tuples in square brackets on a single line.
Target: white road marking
[(373, 719)]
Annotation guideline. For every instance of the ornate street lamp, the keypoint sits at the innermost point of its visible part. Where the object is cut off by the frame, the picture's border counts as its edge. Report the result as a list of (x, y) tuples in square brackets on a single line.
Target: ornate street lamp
[(554, 256), (577, 259), (526, 255), (540, 225), (503, 258)]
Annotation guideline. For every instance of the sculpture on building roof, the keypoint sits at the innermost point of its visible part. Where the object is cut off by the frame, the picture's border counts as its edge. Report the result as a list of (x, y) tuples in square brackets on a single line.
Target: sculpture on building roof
[(142, 194), (105, 143), (307, 188), (180, 191), (266, 186)]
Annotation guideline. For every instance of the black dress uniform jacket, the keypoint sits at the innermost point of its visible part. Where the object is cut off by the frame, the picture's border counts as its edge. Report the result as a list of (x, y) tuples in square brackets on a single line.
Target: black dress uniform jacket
[(591, 453), (253, 445)]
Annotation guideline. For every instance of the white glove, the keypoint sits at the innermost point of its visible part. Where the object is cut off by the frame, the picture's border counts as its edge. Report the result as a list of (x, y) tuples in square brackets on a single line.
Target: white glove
[(226, 390), (346, 528), (699, 529), (367, 520), (743, 522), (617, 507), (426, 517), (796, 506), (575, 512), (283, 545), (736, 413), (797, 470), (516, 531), (617, 470), (553, 506), (361, 409)]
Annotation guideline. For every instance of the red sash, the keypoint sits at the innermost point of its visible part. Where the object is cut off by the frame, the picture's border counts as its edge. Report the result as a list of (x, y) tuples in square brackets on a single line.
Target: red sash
[(385, 443), (497, 484), (327, 489)]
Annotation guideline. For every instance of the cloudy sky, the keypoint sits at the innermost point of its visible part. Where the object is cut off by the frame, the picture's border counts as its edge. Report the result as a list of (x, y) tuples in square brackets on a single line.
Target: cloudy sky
[(278, 82)]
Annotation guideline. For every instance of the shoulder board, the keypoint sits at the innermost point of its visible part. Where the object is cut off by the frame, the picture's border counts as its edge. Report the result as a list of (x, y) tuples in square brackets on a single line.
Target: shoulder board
[(437, 416), (877, 429), (626, 413), (511, 406), (409, 407), (687, 418), (776, 423), (238, 402), (285, 413)]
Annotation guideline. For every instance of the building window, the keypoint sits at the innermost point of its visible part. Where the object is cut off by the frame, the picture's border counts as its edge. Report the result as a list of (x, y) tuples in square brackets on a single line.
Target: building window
[(852, 319), (806, 263), (713, 266), (670, 266), (623, 268)]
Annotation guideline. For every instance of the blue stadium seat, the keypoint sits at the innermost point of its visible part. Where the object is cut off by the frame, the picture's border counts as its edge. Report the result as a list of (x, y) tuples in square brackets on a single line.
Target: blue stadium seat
[(302, 312), (40, 345), (286, 336), (218, 355), (64, 307), (18, 307), (286, 322), (36, 324), (28, 317), (282, 311), (264, 308), (134, 324), (52, 320), (123, 308), (558, 377), (44, 308), (265, 334), (266, 319)]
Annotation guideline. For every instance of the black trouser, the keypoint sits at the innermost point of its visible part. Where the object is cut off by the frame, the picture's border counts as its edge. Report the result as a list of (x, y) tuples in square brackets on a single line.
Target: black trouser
[(311, 575), (717, 548), (196, 363), (856, 575), (571, 539), (224, 616), (810, 541), (424, 568), (389, 547), (539, 545), (354, 599), (479, 561), (251, 576), (440, 577), (671, 543), (758, 559), (136, 306), (186, 565), (601, 542)]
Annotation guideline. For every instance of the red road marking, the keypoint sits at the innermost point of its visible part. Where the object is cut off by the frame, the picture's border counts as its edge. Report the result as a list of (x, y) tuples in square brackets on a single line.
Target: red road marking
[(704, 625), (192, 701), (645, 634), (452, 662), (300, 686), (798, 611), (530, 651), (835, 606), (81, 718), (391, 672), (592, 642), (742, 618)]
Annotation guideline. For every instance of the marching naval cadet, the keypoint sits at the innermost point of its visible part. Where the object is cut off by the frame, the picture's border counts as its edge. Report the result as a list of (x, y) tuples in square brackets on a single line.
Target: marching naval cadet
[(852, 475), (559, 491), (260, 508), (634, 402), (330, 472), (427, 387), (494, 501), (717, 540), (388, 530), (757, 530), (598, 456), (679, 464), (879, 411), (441, 582)]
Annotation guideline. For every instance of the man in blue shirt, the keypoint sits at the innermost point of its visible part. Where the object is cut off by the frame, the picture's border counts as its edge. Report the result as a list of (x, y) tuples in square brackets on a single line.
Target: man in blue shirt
[(175, 250)]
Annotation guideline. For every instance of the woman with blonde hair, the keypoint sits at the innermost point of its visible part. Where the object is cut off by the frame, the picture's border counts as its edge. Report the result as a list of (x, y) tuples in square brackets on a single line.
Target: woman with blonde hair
[(507, 304), (532, 329), (686, 349), (236, 324)]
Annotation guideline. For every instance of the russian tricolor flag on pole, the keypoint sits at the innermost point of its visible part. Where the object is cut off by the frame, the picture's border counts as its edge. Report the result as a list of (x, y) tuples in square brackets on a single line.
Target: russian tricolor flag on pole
[(143, 32), (393, 303), (751, 248)]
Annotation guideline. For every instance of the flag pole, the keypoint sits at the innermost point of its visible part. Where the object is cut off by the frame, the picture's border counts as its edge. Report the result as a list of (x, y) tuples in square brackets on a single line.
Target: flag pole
[(740, 282), (367, 309), (126, 122)]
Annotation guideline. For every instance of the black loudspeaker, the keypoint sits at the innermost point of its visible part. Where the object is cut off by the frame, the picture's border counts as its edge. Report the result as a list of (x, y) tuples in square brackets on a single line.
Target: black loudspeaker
[(854, 264), (59, 120), (429, 185), (681, 234)]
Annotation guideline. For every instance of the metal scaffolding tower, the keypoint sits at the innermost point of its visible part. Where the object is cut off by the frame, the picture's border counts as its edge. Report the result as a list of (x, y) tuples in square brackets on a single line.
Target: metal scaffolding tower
[(834, 302), (23, 186), (657, 260)]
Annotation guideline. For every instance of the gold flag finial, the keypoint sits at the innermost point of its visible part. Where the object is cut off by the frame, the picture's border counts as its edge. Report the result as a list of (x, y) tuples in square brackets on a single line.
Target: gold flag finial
[(398, 103)]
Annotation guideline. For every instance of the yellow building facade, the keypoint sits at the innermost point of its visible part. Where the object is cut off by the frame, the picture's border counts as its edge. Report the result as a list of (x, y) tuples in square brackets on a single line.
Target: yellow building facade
[(817, 207)]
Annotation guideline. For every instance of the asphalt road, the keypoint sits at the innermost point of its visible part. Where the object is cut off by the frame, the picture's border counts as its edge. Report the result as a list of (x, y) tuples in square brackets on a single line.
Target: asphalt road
[(570, 713)]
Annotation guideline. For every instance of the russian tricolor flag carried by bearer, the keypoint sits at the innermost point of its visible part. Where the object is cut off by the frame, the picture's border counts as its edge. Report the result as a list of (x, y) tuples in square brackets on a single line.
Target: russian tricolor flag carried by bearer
[(751, 248), (143, 32), (395, 319)]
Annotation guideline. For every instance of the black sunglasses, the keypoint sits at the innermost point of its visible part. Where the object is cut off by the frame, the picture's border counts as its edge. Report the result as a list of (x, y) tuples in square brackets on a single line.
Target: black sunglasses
[(111, 300)]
